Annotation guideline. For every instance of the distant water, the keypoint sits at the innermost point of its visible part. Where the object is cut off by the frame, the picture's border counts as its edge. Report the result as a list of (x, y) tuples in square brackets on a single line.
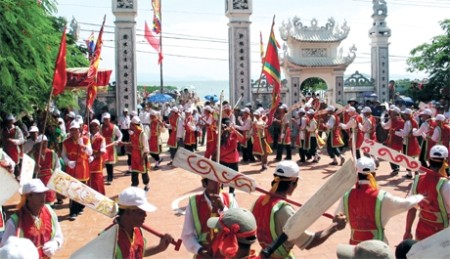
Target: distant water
[(202, 88)]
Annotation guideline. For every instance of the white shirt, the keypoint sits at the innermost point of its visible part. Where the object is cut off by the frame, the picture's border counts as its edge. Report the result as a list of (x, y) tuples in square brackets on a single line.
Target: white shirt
[(124, 122), (436, 134), (312, 127), (246, 124), (10, 229), (391, 205), (62, 125), (28, 146), (188, 234), (407, 127), (386, 125), (302, 127), (180, 128), (422, 130), (351, 124), (331, 121)]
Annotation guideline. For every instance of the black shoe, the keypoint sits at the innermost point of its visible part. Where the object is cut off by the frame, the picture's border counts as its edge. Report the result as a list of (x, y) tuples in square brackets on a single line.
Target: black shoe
[(155, 167), (315, 161), (333, 163), (146, 188), (127, 173), (159, 162), (342, 160), (170, 163), (408, 176), (108, 183), (394, 172), (59, 202), (72, 217)]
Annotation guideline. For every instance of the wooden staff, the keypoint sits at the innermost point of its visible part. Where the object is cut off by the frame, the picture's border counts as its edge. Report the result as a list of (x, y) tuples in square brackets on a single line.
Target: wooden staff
[(219, 133)]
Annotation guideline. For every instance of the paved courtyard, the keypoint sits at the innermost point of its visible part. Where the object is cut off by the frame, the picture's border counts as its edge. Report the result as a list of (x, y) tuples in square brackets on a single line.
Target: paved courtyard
[(170, 187)]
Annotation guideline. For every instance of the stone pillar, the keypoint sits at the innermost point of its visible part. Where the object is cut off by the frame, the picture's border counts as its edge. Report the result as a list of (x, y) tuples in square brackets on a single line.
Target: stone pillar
[(238, 12), (125, 45), (379, 34)]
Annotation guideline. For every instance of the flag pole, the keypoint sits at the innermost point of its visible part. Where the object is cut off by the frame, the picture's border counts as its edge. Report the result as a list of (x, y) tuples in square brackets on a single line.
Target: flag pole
[(161, 80), (47, 109)]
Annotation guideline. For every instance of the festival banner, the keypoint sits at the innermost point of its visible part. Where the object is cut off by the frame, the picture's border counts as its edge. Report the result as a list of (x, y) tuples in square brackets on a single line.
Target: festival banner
[(9, 185), (103, 246), (27, 170), (68, 186)]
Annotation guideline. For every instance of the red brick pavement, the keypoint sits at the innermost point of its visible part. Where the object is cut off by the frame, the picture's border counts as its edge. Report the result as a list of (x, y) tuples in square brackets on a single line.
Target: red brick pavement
[(168, 184)]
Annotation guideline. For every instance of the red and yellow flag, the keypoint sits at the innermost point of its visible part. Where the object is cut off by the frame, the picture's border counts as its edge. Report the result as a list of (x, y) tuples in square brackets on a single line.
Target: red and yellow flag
[(93, 69), (271, 69), (60, 75), (156, 4)]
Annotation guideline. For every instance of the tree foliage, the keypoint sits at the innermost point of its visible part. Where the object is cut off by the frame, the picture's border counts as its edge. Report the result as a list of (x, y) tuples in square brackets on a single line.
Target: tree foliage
[(434, 58), (29, 42)]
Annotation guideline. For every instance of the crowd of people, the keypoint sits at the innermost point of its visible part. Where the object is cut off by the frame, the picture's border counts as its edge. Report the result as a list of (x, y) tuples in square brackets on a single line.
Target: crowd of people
[(83, 147)]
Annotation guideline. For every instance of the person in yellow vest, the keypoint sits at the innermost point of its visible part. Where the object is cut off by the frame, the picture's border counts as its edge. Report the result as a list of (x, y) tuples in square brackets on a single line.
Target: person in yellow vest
[(367, 208), (35, 220), (271, 214), (434, 209), (133, 208), (196, 236), (76, 152)]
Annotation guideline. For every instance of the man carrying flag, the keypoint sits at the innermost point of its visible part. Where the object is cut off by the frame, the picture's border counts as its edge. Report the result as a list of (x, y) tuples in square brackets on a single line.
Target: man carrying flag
[(272, 71)]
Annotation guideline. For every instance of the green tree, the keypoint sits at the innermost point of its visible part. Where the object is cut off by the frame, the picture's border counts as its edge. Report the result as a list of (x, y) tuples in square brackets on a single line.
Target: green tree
[(434, 59), (29, 42)]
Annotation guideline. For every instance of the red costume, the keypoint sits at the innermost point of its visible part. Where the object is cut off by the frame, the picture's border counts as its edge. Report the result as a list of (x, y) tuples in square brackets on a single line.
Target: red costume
[(358, 133), (47, 165), (173, 121), (395, 142), (13, 151), (108, 133), (96, 166), (432, 214), (362, 207), (201, 212), (412, 144), (265, 220), (335, 133), (228, 151), (286, 130), (260, 145), (26, 227), (189, 136), (153, 140), (76, 153), (211, 137), (137, 160), (130, 247)]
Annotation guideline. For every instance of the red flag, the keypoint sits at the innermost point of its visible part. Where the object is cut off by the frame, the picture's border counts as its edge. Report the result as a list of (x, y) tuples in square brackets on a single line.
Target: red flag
[(153, 42), (272, 71), (93, 69), (60, 76)]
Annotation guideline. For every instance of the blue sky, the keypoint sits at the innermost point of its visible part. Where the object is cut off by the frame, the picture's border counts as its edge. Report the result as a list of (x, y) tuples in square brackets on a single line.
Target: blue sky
[(205, 56)]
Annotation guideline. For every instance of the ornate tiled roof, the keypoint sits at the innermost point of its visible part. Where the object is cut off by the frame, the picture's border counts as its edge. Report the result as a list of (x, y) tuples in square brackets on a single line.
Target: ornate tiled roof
[(323, 61), (331, 32)]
